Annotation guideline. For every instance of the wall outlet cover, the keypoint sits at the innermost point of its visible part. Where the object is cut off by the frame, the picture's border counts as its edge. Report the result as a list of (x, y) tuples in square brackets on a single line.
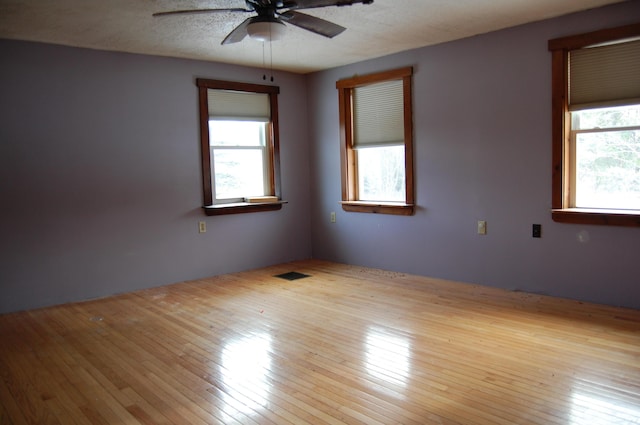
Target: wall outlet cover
[(482, 227), (536, 231)]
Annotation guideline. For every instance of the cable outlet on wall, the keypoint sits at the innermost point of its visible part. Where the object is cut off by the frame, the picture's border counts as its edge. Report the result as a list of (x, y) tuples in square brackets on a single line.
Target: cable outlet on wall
[(202, 227), (482, 227), (536, 231)]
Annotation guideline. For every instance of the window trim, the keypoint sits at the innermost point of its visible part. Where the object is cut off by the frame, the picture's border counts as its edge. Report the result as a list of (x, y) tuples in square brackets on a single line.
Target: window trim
[(273, 141), (561, 131), (349, 177)]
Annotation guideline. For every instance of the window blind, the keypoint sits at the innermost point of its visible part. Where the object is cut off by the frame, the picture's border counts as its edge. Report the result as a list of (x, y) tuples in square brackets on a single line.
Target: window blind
[(378, 114), (606, 75), (238, 105)]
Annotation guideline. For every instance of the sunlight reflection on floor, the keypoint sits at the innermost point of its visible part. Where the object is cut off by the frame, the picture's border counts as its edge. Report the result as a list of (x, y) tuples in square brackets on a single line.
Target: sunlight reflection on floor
[(590, 410), (387, 356), (245, 364)]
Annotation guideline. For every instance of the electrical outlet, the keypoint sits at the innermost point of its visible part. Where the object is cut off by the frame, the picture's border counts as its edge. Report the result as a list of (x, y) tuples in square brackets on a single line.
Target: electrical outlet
[(482, 227), (536, 231), (202, 227), (333, 216)]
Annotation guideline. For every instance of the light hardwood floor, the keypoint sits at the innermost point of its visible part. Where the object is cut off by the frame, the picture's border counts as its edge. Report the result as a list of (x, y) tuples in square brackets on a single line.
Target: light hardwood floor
[(346, 345)]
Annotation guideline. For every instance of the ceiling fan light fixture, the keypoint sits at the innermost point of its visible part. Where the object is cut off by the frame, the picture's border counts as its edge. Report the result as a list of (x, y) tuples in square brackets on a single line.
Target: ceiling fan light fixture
[(270, 30)]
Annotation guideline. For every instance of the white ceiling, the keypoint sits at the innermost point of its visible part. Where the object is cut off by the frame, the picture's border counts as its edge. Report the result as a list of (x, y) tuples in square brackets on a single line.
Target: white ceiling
[(384, 27)]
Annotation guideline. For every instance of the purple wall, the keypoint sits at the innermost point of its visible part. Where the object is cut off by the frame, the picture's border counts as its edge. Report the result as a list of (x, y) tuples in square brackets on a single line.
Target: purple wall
[(482, 125), (100, 183)]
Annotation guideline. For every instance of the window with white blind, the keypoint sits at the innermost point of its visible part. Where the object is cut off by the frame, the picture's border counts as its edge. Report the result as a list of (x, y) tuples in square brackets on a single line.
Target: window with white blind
[(376, 134), (239, 147), (596, 127)]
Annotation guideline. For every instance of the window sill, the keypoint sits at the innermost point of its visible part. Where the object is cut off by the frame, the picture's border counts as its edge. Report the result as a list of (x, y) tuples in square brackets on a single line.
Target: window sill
[(395, 208), (628, 218), (242, 207)]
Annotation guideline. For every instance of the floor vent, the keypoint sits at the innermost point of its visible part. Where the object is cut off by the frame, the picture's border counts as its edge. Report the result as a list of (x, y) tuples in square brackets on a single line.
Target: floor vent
[(291, 276)]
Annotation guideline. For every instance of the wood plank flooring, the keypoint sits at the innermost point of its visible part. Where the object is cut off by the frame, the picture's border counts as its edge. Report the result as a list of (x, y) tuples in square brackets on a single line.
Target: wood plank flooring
[(347, 345)]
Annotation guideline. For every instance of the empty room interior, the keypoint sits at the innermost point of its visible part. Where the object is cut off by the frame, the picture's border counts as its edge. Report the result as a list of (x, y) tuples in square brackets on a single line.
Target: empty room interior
[(289, 212)]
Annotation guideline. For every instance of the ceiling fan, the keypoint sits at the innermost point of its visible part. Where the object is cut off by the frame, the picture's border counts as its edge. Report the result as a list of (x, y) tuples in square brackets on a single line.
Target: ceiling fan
[(271, 16)]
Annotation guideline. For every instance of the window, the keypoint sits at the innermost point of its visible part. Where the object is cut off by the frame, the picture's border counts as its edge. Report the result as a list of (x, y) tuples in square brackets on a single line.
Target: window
[(376, 138), (596, 127), (239, 147), (606, 166)]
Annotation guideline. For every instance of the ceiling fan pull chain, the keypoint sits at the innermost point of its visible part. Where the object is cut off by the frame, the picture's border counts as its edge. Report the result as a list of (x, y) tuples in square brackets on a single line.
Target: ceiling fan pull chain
[(271, 59), (264, 64)]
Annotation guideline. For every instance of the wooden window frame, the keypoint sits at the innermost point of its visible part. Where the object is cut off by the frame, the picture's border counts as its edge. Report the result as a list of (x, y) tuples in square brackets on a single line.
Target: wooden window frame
[(561, 131), (348, 166), (273, 147)]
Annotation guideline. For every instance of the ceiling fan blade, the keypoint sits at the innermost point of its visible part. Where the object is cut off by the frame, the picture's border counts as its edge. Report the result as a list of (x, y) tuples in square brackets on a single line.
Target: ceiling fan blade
[(238, 33), (309, 4), (195, 11), (312, 23)]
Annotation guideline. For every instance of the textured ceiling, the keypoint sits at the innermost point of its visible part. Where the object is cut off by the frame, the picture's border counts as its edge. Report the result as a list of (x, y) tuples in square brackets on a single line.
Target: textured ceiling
[(384, 27)]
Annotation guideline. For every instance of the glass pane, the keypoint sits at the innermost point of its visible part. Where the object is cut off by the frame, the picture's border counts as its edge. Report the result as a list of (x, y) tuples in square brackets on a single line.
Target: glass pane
[(238, 173), (236, 133), (608, 169), (381, 174), (621, 116)]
